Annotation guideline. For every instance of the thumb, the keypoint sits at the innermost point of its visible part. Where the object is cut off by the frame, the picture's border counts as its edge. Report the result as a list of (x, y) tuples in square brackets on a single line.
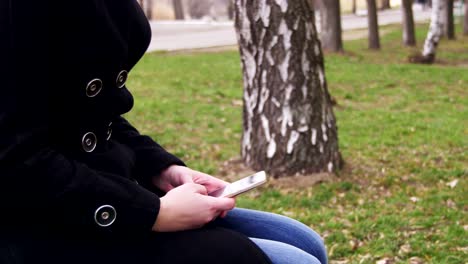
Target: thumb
[(224, 204), (197, 188)]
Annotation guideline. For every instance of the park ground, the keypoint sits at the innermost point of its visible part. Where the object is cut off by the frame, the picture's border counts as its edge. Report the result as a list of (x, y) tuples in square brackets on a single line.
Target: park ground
[(403, 132)]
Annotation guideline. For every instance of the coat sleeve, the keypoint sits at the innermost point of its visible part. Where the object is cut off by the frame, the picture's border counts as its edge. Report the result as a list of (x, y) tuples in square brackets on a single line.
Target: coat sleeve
[(40, 185), (151, 158)]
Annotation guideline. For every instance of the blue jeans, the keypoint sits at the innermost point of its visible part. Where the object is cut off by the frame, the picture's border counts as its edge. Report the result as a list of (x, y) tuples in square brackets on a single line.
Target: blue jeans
[(283, 239)]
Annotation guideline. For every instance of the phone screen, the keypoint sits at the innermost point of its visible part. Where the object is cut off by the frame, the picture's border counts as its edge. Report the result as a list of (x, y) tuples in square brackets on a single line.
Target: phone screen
[(241, 185)]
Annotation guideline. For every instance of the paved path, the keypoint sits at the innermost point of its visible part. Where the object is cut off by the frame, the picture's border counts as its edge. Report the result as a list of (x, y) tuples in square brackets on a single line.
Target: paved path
[(173, 35)]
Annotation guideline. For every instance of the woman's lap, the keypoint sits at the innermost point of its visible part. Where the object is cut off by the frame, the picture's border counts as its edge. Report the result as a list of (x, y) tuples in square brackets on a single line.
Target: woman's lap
[(282, 253), (268, 226)]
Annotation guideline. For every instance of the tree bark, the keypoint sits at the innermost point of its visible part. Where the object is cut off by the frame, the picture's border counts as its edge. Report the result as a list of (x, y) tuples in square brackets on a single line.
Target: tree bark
[(409, 38), (149, 9), (435, 31), (178, 9), (330, 34), (385, 4), (465, 23), (353, 7), (449, 23), (374, 39), (289, 126)]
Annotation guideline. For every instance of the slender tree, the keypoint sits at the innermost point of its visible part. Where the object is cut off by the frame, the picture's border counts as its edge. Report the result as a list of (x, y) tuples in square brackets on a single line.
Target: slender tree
[(385, 4), (353, 7), (178, 9), (449, 24), (330, 34), (374, 39), (289, 124), (149, 9), (433, 35), (465, 23), (409, 38)]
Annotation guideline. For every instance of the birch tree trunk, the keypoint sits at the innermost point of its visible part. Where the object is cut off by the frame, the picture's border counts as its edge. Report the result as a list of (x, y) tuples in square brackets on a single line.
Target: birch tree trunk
[(435, 31), (465, 23), (374, 39), (178, 9), (409, 38), (330, 34), (289, 124)]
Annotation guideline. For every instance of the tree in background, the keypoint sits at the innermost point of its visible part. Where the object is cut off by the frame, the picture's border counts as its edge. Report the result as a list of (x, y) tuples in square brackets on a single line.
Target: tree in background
[(449, 24), (330, 24), (288, 122), (409, 38), (178, 9), (465, 24), (433, 35), (385, 4), (353, 6), (374, 38)]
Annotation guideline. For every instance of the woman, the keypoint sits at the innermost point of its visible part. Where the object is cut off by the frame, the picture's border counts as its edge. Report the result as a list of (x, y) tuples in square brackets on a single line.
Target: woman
[(79, 184)]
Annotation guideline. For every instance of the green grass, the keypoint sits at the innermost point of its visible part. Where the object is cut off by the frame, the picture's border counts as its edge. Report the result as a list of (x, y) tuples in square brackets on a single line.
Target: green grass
[(403, 132)]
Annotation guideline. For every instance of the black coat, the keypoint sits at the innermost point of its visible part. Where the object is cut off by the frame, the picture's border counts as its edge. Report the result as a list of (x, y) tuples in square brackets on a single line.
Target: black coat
[(74, 174)]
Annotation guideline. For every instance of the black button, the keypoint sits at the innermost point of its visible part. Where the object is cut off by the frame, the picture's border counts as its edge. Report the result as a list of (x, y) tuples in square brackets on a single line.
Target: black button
[(89, 142), (93, 88), (121, 78), (105, 215)]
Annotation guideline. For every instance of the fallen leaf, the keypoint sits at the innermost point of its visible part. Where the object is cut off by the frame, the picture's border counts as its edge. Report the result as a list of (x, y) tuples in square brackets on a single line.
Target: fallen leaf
[(452, 184), (416, 260), (384, 261), (404, 249)]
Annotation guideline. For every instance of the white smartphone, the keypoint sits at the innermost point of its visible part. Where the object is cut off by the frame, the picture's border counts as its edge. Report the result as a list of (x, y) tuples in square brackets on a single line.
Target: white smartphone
[(241, 186)]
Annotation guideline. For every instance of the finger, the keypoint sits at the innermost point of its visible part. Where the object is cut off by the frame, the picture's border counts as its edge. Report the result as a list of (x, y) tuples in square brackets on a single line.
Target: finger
[(223, 214), (186, 178), (223, 204), (197, 188)]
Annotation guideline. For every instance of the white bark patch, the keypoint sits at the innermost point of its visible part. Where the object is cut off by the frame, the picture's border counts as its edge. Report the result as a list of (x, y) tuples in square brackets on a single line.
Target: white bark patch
[(269, 57), (317, 49), (321, 148), (250, 66), (330, 166), (321, 76), (284, 66), (245, 25), (296, 24), (303, 128), (310, 30), (324, 133), (286, 33), (287, 118), (271, 150), (305, 62), (266, 127), (265, 92), (292, 140), (283, 5), (265, 14), (275, 102), (314, 136)]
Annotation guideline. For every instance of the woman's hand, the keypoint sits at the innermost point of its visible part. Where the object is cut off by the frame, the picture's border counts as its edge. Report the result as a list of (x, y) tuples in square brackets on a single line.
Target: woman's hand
[(175, 176), (188, 207)]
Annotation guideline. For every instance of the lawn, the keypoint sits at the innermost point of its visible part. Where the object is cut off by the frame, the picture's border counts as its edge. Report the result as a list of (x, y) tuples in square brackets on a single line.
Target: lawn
[(403, 132)]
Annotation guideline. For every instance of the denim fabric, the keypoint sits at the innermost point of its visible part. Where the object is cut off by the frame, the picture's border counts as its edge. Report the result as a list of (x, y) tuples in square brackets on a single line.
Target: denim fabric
[(283, 239)]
